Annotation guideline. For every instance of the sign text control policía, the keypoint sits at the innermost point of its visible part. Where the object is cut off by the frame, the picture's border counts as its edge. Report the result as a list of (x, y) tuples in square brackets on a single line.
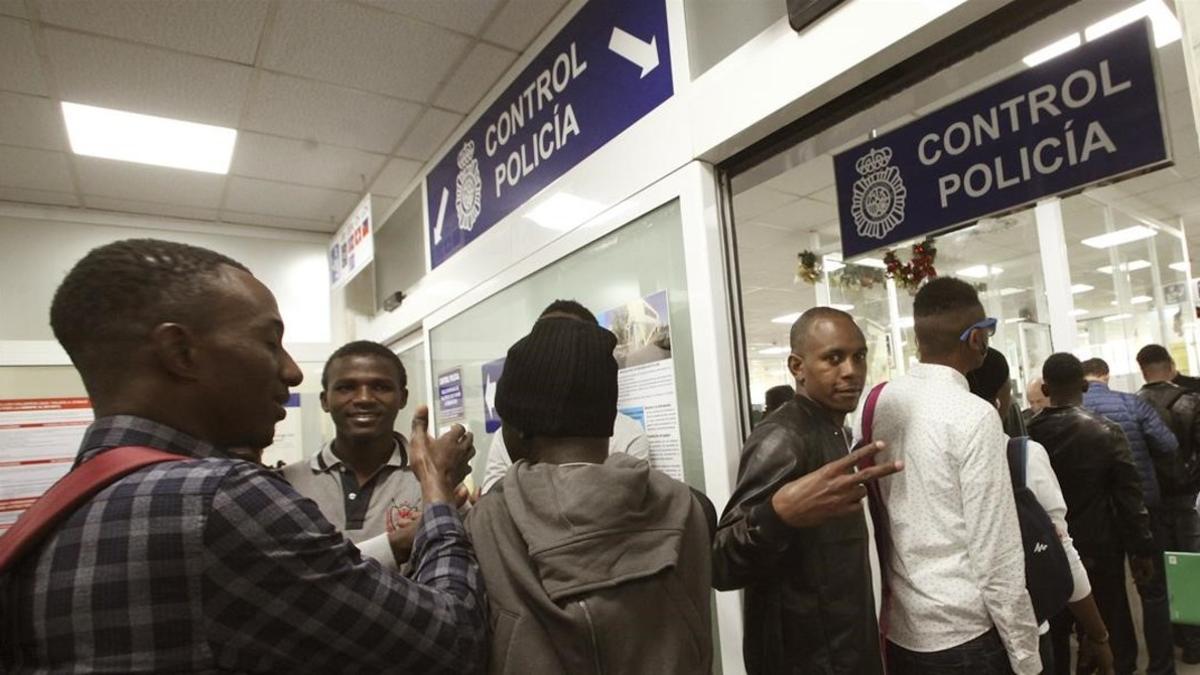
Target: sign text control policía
[(607, 68)]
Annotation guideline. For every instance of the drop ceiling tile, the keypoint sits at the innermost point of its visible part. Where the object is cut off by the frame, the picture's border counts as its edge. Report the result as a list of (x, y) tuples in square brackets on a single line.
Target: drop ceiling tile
[(396, 177), (31, 121), (310, 110), (35, 169), (804, 214), (24, 196), (22, 70), (758, 235), (150, 208), (362, 47), (224, 29), (757, 201), (145, 183), (290, 161), (112, 74), (464, 16), (520, 21), (277, 221), (250, 195), (434, 127), (812, 176), (474, 77), (14, 8)]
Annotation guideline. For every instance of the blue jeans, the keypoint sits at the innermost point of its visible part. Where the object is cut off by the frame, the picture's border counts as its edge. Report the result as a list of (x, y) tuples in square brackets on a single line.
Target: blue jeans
[(984, 655)]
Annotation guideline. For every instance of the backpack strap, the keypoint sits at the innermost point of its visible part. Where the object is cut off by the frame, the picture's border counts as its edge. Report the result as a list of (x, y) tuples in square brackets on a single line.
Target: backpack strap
[(868, 418), (72, 490), (1018, 457)]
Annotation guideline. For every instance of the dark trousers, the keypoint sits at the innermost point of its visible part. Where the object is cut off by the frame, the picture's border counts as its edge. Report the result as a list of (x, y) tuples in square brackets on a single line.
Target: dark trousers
[(984, 655), (1180, 529), (1107, 575)]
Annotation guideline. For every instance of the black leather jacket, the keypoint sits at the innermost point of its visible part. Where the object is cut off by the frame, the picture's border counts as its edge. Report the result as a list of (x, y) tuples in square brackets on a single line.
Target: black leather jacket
[(809, 607), (1091, 458), (1180, 409)]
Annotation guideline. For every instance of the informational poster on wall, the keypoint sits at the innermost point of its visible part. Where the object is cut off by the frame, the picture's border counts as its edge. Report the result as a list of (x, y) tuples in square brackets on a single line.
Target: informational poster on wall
[(39, 439), (353, 245), (288, 445), (451, 405), (491, 377), (646, 376)]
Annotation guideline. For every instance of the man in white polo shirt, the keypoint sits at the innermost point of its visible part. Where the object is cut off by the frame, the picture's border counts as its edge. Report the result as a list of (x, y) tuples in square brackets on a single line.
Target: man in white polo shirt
[(955, 564)]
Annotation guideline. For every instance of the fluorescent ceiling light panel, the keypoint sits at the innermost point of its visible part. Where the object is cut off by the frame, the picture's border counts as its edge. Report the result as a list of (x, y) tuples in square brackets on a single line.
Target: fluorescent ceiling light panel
[(1078, 312), (1081, 288), (1004, 292), (1019, 319), (774, 351), (870, 262), (1117, 317), (1131, 266), (1136, 300), (788, 319), (979, 271), (1119, 237), (1052, 50), (146, 139), (1179, 267), (1162, 20), (564, 211), (833, 263), (844, 308), (907, 322)]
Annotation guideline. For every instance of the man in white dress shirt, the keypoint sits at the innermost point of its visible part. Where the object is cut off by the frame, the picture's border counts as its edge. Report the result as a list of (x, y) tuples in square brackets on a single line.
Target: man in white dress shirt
[(954, 575)]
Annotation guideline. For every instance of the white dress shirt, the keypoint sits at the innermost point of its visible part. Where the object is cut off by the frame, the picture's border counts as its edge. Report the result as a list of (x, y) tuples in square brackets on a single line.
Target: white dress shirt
[(957, 566), (628, 437)]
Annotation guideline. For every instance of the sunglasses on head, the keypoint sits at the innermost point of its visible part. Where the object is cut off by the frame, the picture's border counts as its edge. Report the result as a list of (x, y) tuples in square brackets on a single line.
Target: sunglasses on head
[(988, 324)]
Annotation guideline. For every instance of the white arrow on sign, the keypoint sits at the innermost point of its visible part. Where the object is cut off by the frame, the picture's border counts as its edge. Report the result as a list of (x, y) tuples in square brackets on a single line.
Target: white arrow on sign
[(437, 227), (643, 54)]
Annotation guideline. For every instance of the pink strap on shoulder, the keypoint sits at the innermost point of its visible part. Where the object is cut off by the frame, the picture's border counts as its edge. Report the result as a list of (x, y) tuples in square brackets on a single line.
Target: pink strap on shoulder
[(868, 418)]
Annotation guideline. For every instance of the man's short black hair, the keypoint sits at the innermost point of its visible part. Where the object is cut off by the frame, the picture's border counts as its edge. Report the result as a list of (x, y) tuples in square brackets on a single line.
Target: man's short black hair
[(570, 308), (1096, 367), (940, 313), (777, 396), (118, 293), (1062, 372), (803, 325), (1153, 355), (989, 379), (365, 348)]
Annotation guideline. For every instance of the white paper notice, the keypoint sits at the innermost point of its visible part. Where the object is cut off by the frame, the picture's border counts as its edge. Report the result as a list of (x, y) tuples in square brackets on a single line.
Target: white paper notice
[(39, 439)]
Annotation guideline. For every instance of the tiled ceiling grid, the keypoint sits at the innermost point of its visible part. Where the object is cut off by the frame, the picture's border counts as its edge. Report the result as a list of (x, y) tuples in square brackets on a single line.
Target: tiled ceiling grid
[(330, 98)]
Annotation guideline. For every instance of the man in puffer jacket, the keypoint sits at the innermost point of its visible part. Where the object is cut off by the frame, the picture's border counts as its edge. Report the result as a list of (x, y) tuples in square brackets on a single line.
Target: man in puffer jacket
[(1151, 442)]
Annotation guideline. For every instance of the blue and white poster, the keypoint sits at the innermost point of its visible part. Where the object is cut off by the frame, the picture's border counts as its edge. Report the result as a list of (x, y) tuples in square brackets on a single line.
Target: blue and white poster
[(607, 68), (1089, 115), (451, 405), (491, 377)]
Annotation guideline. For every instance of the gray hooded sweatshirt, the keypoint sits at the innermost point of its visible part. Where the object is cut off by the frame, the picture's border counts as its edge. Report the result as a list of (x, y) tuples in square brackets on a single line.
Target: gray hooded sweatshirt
[(594, 568)]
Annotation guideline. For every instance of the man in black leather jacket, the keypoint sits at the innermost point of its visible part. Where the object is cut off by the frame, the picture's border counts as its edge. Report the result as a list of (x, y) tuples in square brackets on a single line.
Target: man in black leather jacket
[(1177, 526), (794, 534), (1105, 512)]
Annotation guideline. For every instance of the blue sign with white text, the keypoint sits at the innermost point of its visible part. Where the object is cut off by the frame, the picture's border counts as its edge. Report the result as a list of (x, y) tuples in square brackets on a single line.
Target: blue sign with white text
[(607, 68), (451, 405), (492, 370), (1087, 116)]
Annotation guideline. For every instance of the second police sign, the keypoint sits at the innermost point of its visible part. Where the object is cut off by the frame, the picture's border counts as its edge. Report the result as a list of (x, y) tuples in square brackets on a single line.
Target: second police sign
[(607, 68), (1089, 115)]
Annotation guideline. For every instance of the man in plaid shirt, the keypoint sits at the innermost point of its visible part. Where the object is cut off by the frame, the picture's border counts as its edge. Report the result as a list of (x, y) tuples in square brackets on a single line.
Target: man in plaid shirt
[(212, 563)]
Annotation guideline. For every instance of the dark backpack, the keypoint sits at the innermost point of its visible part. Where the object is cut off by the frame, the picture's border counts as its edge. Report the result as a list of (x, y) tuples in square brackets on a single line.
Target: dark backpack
[(1182, 476), (1047, 570)]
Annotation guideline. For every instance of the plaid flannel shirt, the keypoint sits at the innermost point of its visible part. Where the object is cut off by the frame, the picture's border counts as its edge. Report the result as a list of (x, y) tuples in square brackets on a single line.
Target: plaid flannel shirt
[(215, 564)]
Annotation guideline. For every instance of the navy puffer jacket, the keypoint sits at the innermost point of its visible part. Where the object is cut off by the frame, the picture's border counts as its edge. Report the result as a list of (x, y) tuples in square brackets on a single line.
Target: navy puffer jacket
[(1149, 437)]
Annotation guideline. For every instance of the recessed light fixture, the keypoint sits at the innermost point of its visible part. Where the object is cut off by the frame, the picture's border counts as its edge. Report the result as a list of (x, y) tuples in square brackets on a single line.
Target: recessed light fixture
[(1165, 25), (774, 351), (979, 271), (907, 322), (833, 263), (788, 319), (1078, 312), (870, 262), (1179, 267), (844, 308), (1019, 319), (1119, 237), (1081, 288), (147, 139), (1131, 266), (1117, 317), (1004, 292), (1136, 300), (1053, 49), (564, 211)]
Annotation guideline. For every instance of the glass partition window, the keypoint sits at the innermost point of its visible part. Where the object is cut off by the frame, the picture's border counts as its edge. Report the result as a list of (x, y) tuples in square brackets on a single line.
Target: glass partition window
[(417, 370), (1127, 251)]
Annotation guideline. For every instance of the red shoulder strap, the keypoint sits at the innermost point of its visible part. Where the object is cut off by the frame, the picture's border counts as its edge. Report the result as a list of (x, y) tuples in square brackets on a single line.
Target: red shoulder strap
[(72, 490), (868, 418)]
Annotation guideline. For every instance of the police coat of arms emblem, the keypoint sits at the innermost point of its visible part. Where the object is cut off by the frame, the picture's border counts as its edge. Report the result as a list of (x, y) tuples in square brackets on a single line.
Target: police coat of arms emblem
[(468, 187), (877, 202)]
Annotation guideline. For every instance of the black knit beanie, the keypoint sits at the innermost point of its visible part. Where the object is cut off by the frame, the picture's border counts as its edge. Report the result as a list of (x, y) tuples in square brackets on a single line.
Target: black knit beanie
[(560, 380), (987, 380)]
